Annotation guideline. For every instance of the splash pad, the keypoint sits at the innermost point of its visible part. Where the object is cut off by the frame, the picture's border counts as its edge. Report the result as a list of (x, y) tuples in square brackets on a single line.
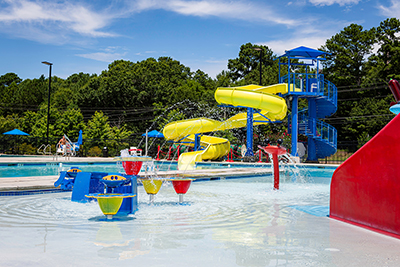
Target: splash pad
[(244, 221)]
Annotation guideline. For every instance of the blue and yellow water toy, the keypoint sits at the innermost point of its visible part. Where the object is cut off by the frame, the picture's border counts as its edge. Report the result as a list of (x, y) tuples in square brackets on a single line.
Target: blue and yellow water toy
[(113, 180), (67, 179), (110, 203)]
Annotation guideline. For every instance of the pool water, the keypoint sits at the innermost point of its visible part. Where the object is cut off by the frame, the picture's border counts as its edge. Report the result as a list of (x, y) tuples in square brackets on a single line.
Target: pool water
[(234, 222), (53, 169), (48, 169)]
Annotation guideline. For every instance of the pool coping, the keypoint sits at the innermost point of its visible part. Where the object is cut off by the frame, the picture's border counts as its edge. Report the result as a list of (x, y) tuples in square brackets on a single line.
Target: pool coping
[(46, 183)]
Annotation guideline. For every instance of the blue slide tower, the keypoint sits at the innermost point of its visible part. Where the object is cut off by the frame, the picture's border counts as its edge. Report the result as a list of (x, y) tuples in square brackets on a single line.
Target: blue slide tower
[(321, 96)]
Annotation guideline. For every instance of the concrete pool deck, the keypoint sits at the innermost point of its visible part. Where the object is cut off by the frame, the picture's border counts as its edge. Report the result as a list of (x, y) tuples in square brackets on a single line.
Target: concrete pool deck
[(211, 231), (38, 182), (47, 182)]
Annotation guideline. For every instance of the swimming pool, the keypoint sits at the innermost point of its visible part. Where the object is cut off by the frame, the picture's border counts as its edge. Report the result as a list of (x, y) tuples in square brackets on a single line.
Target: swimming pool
[(233, 222), (53, 168)]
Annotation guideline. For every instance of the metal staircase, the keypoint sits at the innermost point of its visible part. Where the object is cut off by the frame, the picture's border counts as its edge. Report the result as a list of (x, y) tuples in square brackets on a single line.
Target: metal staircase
[(322, 98), (320, 94)]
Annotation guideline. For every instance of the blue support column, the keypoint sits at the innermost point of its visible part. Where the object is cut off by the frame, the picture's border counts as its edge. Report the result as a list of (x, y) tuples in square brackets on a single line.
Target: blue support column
[(295, 125), (312, 127), (249, 141), (197, 139)]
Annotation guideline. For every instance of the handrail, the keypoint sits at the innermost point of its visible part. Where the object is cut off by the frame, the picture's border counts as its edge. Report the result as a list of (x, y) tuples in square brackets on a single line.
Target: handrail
[(324, 131), (314, 85), (42, 149), (311, 83)]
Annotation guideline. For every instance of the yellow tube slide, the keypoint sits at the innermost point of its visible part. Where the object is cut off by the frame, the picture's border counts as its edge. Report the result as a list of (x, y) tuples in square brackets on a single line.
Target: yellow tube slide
[(263, 98)]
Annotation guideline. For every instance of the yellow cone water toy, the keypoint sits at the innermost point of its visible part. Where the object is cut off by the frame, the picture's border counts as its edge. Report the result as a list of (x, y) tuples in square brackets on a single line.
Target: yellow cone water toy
[(109, 203), (152, 186)]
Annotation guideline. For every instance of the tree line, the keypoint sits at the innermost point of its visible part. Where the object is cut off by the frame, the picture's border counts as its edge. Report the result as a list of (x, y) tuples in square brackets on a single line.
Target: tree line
[(127, 98)]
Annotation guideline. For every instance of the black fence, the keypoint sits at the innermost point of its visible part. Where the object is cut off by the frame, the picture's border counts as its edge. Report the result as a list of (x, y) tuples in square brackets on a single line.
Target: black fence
[(29, 145), (344, 151)]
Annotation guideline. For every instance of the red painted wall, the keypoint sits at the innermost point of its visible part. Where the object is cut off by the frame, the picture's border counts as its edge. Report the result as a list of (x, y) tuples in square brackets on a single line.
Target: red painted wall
[(365, 189)]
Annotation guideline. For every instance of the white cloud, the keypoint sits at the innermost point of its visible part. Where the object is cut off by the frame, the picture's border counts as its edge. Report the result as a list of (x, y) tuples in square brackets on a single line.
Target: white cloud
[(60, 21), (332, 2), (392, 11), (211, 67), (108, 56), (279, 46), (49, 17), (238, 10)]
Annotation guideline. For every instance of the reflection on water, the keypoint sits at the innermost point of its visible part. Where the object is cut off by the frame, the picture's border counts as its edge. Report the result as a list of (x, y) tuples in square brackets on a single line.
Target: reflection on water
[(239, 222)]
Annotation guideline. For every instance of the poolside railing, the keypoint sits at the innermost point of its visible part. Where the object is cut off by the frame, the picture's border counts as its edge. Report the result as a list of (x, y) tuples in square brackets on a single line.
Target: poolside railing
[(323, 131), (310, 83)]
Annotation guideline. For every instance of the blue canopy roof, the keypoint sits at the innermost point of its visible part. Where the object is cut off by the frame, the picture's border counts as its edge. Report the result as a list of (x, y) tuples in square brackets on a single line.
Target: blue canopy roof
[(154, 133), (16, 132), (305, 52)]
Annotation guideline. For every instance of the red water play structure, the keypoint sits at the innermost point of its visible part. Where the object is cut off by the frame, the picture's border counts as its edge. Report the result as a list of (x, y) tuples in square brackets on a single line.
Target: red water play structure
[(181, 186), (275, 151), (365, 189)]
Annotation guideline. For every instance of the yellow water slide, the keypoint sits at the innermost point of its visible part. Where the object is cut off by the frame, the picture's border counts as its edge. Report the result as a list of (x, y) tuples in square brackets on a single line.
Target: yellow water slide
[(263, 98)]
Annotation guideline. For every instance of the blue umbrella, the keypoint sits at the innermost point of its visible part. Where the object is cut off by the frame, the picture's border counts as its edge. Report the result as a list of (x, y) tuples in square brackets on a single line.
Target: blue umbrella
[(16, 132), (154, 133), (80, 138)]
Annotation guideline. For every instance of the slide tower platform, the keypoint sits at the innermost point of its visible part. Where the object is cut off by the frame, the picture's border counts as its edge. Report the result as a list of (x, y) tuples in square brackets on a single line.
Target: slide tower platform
[(322, 102)]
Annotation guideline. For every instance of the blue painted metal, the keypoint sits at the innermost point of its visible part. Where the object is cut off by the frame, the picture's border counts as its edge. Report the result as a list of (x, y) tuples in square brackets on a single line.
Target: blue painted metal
[(90, 183), (294, 125), (129, 205), (197, 144), (249, 135), (84, 185), (312, 113), (61, 179), (322, 102)]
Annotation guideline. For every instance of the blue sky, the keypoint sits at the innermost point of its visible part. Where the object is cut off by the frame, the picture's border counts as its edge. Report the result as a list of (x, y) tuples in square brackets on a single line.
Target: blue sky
[(85, 36)]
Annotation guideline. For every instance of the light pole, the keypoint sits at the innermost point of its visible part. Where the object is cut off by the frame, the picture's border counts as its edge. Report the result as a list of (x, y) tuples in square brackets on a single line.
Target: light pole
[(48, 100), (261, 52)]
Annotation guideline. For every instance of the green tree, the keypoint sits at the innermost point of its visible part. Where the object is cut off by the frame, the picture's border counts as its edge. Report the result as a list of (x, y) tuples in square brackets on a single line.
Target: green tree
[(385, 64), (68, 122), (8, 78), (97, 130), (118, 139), (368, 117), (249, 61), (9, 123), (345, 67), (348, 51), (247, 65), (28, 120), (224, 79)]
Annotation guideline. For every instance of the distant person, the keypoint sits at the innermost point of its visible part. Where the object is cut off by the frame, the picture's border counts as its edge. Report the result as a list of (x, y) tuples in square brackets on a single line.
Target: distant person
[(62, 144)]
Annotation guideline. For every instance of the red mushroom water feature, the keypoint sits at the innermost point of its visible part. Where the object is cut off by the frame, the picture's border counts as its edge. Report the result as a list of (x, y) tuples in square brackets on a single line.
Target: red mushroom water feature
[(275, 151)]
